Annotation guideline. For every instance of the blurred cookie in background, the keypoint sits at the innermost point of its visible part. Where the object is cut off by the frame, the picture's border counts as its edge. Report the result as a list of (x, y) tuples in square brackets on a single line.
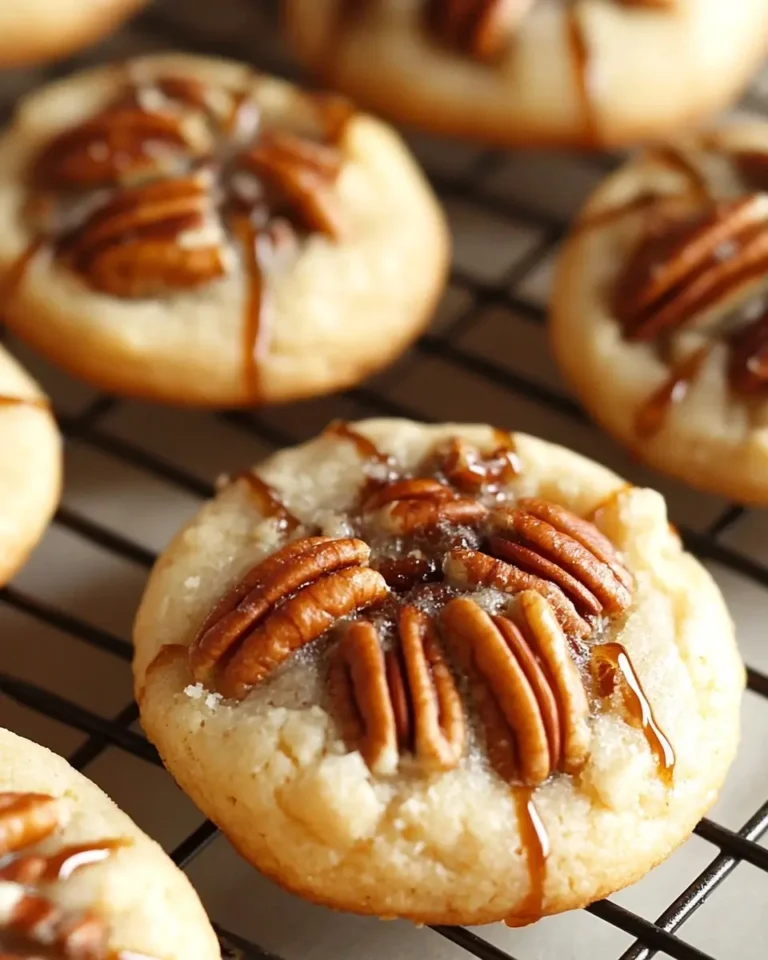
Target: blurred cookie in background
[(589, 73), (34, 31)]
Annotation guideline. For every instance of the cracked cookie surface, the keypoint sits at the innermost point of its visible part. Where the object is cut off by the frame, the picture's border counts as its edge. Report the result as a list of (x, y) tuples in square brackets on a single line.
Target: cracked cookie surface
[(78, 879), (534, 72), (446, 673), (30, 465), (189, 230), (660, 316)]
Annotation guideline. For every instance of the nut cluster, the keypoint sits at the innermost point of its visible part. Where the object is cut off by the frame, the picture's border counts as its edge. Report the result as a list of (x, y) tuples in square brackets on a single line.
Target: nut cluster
[(35, 926), (417, 648), (158, 191), (701, 270)]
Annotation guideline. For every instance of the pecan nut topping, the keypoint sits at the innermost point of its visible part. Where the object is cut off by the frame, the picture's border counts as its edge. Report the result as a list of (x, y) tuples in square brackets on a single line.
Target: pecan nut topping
[(528, 682), (455, 614), (404, 700), (31, 924), (700, 267)]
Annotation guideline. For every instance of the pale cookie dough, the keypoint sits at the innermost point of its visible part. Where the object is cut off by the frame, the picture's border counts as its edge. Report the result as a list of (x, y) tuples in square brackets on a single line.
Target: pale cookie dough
[(520, 72), (30, 465), (79, 879), (37, 30), (198, 233), (366, 734), (660, 315)]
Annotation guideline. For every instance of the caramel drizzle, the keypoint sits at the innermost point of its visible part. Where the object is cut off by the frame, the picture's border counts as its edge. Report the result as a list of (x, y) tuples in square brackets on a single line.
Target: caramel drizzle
[(40, 403), (581, 61), (267, 501), (653, 413), (19, 268), (254, 328), (35, 868), (611, 664), (536, 848)]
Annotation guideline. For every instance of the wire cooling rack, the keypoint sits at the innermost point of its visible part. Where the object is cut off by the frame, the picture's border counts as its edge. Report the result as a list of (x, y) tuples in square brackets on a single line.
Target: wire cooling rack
[(135, 473)]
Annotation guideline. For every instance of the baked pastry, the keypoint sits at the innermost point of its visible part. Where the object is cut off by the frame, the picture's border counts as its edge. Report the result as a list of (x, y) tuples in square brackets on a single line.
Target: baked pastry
[(439, 672), (659, 318), (187, 230), (78, 879), (30, 465), (518, 72), (38, 30)]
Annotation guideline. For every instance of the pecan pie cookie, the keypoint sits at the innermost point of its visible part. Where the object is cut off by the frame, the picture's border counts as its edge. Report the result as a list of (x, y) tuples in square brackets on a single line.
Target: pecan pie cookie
[(439, 672), (509, 72), (660, 311), (37, 30), (30, 465), (187, 230), (78, 879)]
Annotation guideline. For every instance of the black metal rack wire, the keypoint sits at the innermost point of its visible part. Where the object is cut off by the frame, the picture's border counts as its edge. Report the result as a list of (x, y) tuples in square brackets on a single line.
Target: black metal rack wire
[(169, 24)]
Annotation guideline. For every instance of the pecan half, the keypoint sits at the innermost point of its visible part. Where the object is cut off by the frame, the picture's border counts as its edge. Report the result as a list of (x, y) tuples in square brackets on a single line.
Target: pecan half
[(549, 549), (535, 687), (26, 819), (482, 28), (131, 246), (683, 268), (285, 602), (406, 700), (471, 568), (119, 145), (297, 174)]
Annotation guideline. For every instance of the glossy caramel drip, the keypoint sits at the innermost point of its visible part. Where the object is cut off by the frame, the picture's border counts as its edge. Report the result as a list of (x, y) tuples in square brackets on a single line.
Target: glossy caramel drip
[(611, 665), (41, 403), (535, 842), (364, 447), (604, 218), (269, 504), (651, 416), (38, 868), (582, 69), (254, 329), (609, 501)]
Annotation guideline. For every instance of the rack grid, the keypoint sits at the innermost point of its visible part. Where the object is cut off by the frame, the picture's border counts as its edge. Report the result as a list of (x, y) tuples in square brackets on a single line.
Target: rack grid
[(509, 212)]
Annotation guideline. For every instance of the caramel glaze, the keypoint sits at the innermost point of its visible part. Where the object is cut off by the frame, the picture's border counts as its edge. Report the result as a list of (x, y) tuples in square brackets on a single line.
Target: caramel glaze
[(18, 270), (676, 160), (36, 868), (582, 70), (267, 501), (535, 843), (365, 448), (611, 666), (652, 415), (41, 403)]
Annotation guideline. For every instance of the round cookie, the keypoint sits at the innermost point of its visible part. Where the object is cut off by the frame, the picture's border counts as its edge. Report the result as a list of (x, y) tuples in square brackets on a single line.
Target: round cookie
[(439, 672), (658, 317), (30, 465), (184, 229), (576, 72), (78, 878), (38, 30)]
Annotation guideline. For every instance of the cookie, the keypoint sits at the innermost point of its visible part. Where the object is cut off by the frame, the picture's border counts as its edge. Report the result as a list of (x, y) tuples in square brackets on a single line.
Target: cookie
[(78, 878), (39, 30), (524, 73), (659, 318), (187, 230), (30, 465), (444, 673)]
